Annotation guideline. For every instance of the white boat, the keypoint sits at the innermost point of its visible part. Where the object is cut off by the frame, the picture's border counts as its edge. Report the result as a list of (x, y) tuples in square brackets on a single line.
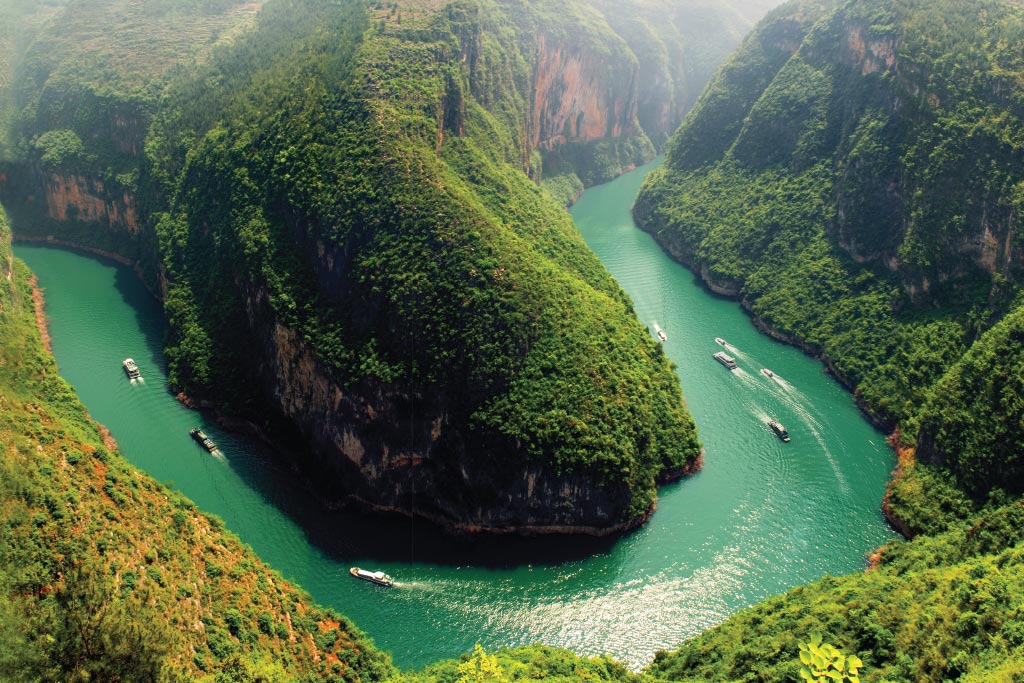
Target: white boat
[(660, 332), (720, 341), (131, 369), (767, 373), (379, 578), (779, 430), (726, 360), (203, 440)]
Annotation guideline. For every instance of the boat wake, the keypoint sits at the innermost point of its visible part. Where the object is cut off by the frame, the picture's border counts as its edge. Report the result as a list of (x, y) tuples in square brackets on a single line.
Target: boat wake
[(796, 401), (422, 586), (815, 427), (745, 377), (735, 351)]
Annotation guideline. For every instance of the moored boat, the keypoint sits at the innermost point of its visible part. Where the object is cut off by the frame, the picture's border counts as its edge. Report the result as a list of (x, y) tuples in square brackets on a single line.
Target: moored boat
[(779, 430), (131, 369), (660, 332), (726, 360), (202, 439), (379, 578)]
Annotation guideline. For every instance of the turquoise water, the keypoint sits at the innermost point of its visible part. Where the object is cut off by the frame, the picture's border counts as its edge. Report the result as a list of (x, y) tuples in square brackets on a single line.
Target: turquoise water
[(762, 516)]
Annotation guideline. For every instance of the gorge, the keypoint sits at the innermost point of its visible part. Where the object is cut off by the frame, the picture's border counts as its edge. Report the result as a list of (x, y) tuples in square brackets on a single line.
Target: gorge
[(730, 536), (351, 217)]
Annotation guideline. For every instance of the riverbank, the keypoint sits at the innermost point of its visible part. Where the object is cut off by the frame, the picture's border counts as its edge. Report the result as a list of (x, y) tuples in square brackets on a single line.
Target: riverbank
[(731, 290), (720, 540), (92, 251), (42, 325)]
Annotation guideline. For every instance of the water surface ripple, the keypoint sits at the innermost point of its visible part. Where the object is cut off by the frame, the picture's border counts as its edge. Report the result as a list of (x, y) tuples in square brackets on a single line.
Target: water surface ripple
[(761, 517)]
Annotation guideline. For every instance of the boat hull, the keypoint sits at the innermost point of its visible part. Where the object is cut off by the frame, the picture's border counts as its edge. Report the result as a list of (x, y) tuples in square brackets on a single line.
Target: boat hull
[(728, 361), (376, 578)]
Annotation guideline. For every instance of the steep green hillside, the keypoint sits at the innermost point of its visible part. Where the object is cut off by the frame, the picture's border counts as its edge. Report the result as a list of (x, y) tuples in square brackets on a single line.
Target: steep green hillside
[(339, 203), (853, 174), (939, 608), (107, 575), (377, 218), (20, 20)]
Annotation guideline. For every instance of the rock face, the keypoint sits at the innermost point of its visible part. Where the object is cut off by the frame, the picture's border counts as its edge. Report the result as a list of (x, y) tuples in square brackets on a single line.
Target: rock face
[(941, 219), (381, 447), (558, 103), (577, 98), (909, 191), (76, 198)]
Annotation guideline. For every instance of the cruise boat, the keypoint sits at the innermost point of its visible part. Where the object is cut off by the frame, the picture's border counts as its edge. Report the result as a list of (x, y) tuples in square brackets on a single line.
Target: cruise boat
[(131, 369), (379, 578), (660, 332), (720, 341), (767, 373), (202, 439), (726, 360), (779, 430)]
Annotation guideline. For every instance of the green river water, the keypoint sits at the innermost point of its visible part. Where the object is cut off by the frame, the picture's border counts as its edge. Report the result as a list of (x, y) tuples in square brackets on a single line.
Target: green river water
[(761, 517)]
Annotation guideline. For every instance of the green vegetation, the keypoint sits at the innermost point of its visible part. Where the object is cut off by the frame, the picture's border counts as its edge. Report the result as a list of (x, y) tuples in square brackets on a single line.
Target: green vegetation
[(529, 663), (939, 608), (972, 423), (366, 176), (859, 195), (107, 575), (822, 663), (460, 278)]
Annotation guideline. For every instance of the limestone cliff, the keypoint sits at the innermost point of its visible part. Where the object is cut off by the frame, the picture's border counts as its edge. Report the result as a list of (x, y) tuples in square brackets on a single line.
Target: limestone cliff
[(384, 447), (853, 174), (420, 315), (577, 98)]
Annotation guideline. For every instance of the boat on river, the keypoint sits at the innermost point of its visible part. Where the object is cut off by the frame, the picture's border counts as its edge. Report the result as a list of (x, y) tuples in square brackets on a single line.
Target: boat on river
[(726, 360), (720, 341), (767, 373), (660, 332), (203, 440), (379, 578), (779, 430), (131, 369)]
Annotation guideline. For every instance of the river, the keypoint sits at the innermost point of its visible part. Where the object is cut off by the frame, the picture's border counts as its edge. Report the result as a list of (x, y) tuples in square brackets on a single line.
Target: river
[(761, 517)]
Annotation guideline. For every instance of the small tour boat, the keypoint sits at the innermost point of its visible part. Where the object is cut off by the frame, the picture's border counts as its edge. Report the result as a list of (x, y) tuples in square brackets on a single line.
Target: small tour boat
[(202, 439), (726, 360), (767, 373), (131, 369), (779, 430), (660, 332), (379, 578), (720, 341)]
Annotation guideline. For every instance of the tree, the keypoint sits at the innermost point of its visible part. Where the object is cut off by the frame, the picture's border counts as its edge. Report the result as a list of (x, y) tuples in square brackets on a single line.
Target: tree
[(481, 668)]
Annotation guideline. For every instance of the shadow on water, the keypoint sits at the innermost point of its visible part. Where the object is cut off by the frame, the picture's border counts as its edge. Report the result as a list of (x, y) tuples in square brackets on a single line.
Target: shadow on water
[(147, 310), (270, 472)]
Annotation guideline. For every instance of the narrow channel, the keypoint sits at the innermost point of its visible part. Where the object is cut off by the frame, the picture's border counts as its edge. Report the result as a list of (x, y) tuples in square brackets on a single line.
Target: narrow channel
[(761, 517)]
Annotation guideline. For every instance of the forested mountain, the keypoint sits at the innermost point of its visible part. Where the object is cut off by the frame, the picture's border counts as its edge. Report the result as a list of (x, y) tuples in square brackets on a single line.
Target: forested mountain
[(341, 211), (339, 205), (853, 174), (108, 575)]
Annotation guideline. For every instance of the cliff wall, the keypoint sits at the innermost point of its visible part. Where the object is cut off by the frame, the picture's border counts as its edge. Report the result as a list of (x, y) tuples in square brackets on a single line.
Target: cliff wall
[(852, 174), (295, 286)]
